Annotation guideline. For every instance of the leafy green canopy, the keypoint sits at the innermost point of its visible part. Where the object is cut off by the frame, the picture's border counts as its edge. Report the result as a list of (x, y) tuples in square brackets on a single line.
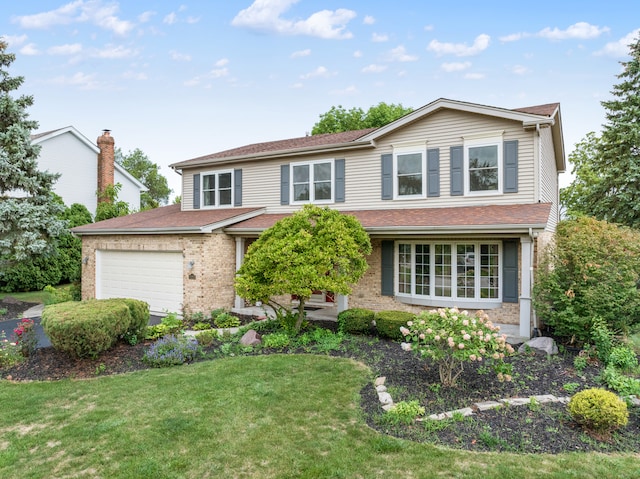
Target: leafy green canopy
[(148, 173), (315, 249), (108, 204), (607, 169), (28, 216), (592, 270), (337, 119)]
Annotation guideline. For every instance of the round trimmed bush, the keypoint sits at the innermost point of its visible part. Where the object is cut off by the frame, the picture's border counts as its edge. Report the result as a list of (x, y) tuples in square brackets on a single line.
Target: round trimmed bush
[(599, 410), (356, 321), (388, 323)]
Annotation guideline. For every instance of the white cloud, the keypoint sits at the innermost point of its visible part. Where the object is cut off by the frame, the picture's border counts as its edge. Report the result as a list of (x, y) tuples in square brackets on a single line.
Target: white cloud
[(379, 37), (318, 72), (369, 20), (30, 49), (78, 11), (373, 68), (170, 19), (519, 70), (114, 52), (68, 49), (86, 82), (134, 76), (455, 66), (265, 15), (14, 40), (460, 49), (179, 57), (350, 90), (357, 54), (621, 47), (222, 62), (514, 37), (219, 72), (301, 53), (399, 54), (474, 76), (297, 85), (192, 20), (144, 17), (580, 30), (428, 28)]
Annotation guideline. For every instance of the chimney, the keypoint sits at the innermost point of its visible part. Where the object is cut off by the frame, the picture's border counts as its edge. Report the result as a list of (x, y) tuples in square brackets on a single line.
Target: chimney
[(106, 159)]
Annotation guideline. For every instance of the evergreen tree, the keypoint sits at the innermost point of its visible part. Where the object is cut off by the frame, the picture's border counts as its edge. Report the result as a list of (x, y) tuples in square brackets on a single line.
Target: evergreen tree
[(607, 169), (29, 220)]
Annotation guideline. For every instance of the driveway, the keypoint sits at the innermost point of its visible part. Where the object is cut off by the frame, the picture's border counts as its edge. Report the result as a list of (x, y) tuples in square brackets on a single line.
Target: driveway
[(9, 325)]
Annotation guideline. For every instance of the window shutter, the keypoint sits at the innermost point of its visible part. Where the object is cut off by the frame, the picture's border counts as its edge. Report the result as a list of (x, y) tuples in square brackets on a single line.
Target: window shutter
[(433, 172), (387, 268), (511, 166), (387, 177), (196, 191), (340, 183), (510, 271), (457, 171), (284, 184), (237, 187)]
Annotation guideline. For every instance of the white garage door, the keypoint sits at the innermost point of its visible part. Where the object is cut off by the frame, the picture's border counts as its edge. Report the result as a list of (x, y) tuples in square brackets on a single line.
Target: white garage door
[(154, 277)]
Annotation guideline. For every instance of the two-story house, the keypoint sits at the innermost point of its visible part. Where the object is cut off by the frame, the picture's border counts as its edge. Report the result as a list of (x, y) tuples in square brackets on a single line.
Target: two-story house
[(457, 198)]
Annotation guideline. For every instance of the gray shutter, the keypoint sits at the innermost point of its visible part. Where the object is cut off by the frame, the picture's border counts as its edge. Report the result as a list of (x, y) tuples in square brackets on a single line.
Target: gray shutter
[(340, 185), (196, 191), (387, 268), (433, 172), (510, 271), (510, 159), (387, 177), (457, 171), (237, 187), (284, 184)]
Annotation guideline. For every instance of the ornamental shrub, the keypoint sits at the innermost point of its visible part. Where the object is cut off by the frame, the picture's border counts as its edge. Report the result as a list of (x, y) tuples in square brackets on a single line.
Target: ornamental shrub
[(356, 321), (404, 412), (623, 358), (227, 320), (140, 315), (620, 382), (25, 337), (451, 338), (85, 328), (598, 410), (388, 323), (171, 351)]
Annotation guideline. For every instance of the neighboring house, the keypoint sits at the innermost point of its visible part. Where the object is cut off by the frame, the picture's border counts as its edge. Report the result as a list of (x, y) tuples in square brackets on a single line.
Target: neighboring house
[(458, 198), (83, 170)]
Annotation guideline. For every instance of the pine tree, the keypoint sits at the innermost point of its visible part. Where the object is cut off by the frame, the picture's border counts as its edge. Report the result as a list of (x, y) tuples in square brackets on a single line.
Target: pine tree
[(607, 169), (29, 220)]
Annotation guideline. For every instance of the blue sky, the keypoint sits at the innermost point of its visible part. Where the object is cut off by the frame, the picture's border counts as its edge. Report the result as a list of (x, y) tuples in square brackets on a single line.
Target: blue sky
[(180, 80)]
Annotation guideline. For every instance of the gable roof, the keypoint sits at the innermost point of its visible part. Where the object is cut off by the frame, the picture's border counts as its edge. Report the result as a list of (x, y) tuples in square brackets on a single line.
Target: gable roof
[(46, 135), (547, 115), (169, 220)]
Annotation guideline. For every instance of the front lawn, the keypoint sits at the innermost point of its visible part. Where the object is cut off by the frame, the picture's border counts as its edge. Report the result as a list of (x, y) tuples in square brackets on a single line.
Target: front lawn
[(284, 416)]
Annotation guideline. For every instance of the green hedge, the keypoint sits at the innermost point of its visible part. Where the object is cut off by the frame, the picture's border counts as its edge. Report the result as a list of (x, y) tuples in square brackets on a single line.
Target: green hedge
[(87, 328), (356, 321), (139, 311), (388, 323)]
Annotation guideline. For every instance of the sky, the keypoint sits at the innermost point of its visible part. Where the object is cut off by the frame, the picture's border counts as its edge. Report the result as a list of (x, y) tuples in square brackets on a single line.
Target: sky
[(181, 80)]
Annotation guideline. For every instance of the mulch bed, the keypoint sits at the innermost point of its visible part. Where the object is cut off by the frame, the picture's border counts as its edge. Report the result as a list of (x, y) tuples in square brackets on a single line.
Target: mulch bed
[(11, 308), (545, 428)]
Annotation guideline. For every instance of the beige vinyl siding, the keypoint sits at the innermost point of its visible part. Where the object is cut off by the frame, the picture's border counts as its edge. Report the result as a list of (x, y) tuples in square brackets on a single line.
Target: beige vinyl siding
[(261, 178), (549, 175)]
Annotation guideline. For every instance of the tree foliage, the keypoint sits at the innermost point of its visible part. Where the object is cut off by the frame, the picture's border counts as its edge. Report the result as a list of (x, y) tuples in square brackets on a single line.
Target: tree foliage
[(148, 173), (607, 168), (592, 271), (337, 119), (28, 216), (315, 249), (108, 204)]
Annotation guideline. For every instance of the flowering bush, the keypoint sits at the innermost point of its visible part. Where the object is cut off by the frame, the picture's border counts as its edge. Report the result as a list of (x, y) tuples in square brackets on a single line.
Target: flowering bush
[(26, 338), (451, 338), (171, 351), (9, 352)]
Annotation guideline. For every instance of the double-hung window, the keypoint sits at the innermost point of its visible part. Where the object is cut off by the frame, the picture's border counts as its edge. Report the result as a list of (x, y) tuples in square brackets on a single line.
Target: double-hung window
[(312, 182), (217, 189), (409, 173), (440, 273), (483, 165)]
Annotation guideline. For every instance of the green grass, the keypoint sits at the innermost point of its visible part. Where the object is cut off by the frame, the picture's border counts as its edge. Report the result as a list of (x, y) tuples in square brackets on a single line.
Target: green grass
[(33, 296), (273, 416)]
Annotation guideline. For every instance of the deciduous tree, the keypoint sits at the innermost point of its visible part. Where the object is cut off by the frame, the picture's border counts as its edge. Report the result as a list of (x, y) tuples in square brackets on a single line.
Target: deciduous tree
[(139, 165), (337, 119)]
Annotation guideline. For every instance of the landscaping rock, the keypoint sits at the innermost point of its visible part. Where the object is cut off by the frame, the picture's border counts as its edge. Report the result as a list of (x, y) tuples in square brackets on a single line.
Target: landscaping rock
[(542, 344), (251, 338)]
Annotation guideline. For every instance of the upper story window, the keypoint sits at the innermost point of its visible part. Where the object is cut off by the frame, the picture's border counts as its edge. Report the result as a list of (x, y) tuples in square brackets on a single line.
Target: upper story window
[(217, 189), (483, 165), (409, 172), (312, 182)]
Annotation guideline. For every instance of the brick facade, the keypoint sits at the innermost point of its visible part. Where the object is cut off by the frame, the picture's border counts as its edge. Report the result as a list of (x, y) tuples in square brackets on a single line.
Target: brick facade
[(106, 161)]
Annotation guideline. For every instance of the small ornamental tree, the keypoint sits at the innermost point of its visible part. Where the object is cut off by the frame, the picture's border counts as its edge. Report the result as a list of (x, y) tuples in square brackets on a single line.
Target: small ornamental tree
[(452, 338), (315, 249)]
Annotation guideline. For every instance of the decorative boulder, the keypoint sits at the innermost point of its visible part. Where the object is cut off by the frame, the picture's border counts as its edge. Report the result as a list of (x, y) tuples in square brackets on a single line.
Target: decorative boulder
[(251, 338), (542, 344)]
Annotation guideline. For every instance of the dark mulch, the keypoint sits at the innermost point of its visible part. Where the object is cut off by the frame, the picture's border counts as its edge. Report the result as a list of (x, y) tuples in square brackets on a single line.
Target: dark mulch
[(543, 428), (11, 308)]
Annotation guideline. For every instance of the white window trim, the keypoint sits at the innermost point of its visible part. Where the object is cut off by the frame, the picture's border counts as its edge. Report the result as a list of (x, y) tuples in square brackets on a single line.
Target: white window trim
[(453, 300), (217, 205), (471, 142), (409, 150), (311, 189)]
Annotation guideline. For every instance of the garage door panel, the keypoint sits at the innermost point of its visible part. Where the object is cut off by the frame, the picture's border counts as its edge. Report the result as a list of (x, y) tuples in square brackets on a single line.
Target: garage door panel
[(154, 277)]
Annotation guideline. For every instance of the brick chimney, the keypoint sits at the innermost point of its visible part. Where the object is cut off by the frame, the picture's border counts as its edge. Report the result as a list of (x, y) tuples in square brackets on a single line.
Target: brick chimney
[(106, 159)]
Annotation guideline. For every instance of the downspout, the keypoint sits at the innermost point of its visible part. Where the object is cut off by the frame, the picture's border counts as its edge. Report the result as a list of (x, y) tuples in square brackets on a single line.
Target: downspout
[(533, 236), (536, 330)]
